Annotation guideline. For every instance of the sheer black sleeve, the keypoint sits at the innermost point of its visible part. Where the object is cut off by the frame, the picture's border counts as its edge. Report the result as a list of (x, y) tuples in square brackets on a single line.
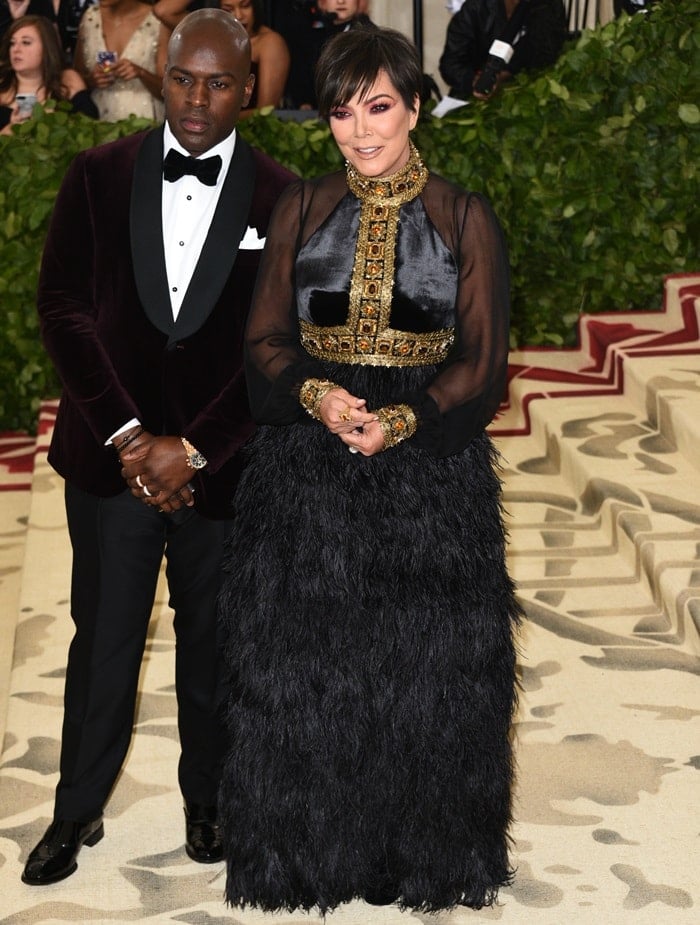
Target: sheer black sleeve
[(465, 394), (276, 365)]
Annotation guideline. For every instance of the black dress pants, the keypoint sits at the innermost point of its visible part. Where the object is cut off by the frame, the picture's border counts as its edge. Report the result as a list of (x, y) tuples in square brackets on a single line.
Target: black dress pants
[(118, 545)]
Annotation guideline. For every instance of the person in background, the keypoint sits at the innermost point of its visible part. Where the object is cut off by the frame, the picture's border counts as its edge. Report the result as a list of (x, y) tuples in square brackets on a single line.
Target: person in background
[(145, 284), (12, 10), (69, 14), (32, 71), (478, 23), (308, 28), (367, 615), (66, 14), (121, 54), (269, 52)]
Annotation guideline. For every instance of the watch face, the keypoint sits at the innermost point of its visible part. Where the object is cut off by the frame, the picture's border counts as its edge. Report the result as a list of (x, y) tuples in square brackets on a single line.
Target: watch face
[(197, 461)]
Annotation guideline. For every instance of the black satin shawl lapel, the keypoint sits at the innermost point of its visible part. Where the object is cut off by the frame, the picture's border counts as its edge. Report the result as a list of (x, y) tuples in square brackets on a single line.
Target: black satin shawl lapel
[(146, 224), (221, 246)]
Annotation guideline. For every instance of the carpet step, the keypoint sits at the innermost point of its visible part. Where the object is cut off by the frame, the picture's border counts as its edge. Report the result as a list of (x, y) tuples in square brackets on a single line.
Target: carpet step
[(634, 515), (605, 496)]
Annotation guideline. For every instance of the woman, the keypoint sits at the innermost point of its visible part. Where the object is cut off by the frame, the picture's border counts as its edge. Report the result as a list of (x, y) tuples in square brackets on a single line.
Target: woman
[(367, 611), (269, 55), (268, 50), (121, 53), (31, 66)]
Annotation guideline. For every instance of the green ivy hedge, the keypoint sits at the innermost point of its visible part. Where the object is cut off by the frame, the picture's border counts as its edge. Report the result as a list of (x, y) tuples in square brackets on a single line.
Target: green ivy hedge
[(591, 167)]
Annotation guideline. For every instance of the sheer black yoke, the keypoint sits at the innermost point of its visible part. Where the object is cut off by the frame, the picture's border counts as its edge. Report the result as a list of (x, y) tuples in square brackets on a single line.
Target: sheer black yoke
[(450, 271)]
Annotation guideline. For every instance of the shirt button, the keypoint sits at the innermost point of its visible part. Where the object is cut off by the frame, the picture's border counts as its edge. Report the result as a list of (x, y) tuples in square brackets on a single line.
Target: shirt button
[(189, 197), (182, 243), (174, 288)]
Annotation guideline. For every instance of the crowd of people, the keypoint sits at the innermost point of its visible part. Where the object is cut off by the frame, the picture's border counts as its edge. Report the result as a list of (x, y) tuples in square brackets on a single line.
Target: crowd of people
[(117, 47)]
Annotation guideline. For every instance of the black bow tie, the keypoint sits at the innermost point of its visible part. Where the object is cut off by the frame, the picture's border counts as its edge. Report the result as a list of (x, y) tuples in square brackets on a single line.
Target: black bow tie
[(176, 165)]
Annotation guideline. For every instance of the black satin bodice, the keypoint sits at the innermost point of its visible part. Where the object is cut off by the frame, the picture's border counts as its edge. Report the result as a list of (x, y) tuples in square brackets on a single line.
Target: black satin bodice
[(425, 272)]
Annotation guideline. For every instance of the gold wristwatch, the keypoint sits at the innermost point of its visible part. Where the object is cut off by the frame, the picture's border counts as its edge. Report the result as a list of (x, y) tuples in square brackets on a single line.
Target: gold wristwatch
[(195, 460)]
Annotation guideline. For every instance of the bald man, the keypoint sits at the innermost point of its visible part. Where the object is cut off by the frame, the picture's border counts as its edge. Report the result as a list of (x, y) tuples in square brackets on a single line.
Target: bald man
[(145, 285)]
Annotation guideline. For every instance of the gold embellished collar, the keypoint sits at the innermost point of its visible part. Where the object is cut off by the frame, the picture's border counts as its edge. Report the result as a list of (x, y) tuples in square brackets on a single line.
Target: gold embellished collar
[(396, 189)]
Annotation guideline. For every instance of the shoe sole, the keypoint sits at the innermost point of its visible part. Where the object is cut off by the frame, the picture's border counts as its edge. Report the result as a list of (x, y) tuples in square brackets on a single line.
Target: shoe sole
[(199, 859)]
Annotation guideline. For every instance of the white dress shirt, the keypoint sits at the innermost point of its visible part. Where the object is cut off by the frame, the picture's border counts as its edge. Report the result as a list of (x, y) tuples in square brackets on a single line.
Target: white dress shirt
[(188, 210)]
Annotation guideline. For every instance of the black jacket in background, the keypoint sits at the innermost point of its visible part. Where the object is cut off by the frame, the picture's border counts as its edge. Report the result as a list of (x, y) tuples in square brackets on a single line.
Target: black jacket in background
[(305, 34), (473, 28)]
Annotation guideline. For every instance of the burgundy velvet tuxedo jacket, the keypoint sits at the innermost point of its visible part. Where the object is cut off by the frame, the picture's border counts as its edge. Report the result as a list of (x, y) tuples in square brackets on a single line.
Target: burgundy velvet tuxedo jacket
[(107, 323)]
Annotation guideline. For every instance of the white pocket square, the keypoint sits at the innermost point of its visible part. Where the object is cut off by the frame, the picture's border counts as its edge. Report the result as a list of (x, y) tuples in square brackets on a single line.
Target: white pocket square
[(251, 241)]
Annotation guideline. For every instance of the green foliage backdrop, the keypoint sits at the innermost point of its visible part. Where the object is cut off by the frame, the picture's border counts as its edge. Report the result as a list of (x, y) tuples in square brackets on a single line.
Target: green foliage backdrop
[(591, 167)]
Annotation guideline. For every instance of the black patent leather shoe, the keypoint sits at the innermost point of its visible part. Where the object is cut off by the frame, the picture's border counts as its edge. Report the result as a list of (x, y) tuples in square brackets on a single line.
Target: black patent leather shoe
[(202, 838), (54, 858)]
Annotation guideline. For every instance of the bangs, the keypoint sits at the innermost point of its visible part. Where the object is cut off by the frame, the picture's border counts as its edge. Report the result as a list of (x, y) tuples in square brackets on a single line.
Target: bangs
[(350, 64), (357, 79)]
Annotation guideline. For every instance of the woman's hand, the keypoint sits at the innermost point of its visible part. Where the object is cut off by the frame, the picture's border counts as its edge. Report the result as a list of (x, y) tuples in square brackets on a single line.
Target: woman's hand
[(343, 413), (101, 77), (17, 117), (367, 442), (126, 69)]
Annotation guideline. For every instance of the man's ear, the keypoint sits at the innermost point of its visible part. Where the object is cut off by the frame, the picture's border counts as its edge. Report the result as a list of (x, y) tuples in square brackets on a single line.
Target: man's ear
[(248, 90)]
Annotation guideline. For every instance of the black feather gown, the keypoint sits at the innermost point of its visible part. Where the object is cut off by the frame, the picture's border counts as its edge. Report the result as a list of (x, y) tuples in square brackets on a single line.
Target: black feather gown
[(367, 612)]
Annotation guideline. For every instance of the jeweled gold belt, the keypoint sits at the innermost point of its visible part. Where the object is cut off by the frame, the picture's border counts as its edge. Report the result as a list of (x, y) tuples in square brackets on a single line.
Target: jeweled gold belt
[(373, 348)]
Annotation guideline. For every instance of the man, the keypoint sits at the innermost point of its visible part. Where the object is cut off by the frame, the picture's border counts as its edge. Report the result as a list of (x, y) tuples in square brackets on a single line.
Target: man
[(145, 284), (530, 33)]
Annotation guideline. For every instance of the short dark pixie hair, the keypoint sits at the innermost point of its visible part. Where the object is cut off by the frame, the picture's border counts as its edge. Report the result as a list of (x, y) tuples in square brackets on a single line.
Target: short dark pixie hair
[(351, 61)]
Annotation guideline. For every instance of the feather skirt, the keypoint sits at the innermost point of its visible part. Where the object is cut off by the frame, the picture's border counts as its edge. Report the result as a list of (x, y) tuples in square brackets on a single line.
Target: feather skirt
[(368, 624)]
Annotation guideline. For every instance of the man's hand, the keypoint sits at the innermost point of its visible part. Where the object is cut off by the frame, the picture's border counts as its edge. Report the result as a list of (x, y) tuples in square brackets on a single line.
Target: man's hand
[(156, 471), (501, 78)]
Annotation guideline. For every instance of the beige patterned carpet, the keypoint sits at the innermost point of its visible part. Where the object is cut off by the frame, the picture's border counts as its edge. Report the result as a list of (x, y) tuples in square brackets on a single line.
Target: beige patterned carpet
[(601, 451)]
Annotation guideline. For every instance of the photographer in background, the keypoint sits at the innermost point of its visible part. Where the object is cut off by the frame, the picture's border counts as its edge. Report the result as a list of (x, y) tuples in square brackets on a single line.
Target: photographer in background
[(497, 39), (307, 25)]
